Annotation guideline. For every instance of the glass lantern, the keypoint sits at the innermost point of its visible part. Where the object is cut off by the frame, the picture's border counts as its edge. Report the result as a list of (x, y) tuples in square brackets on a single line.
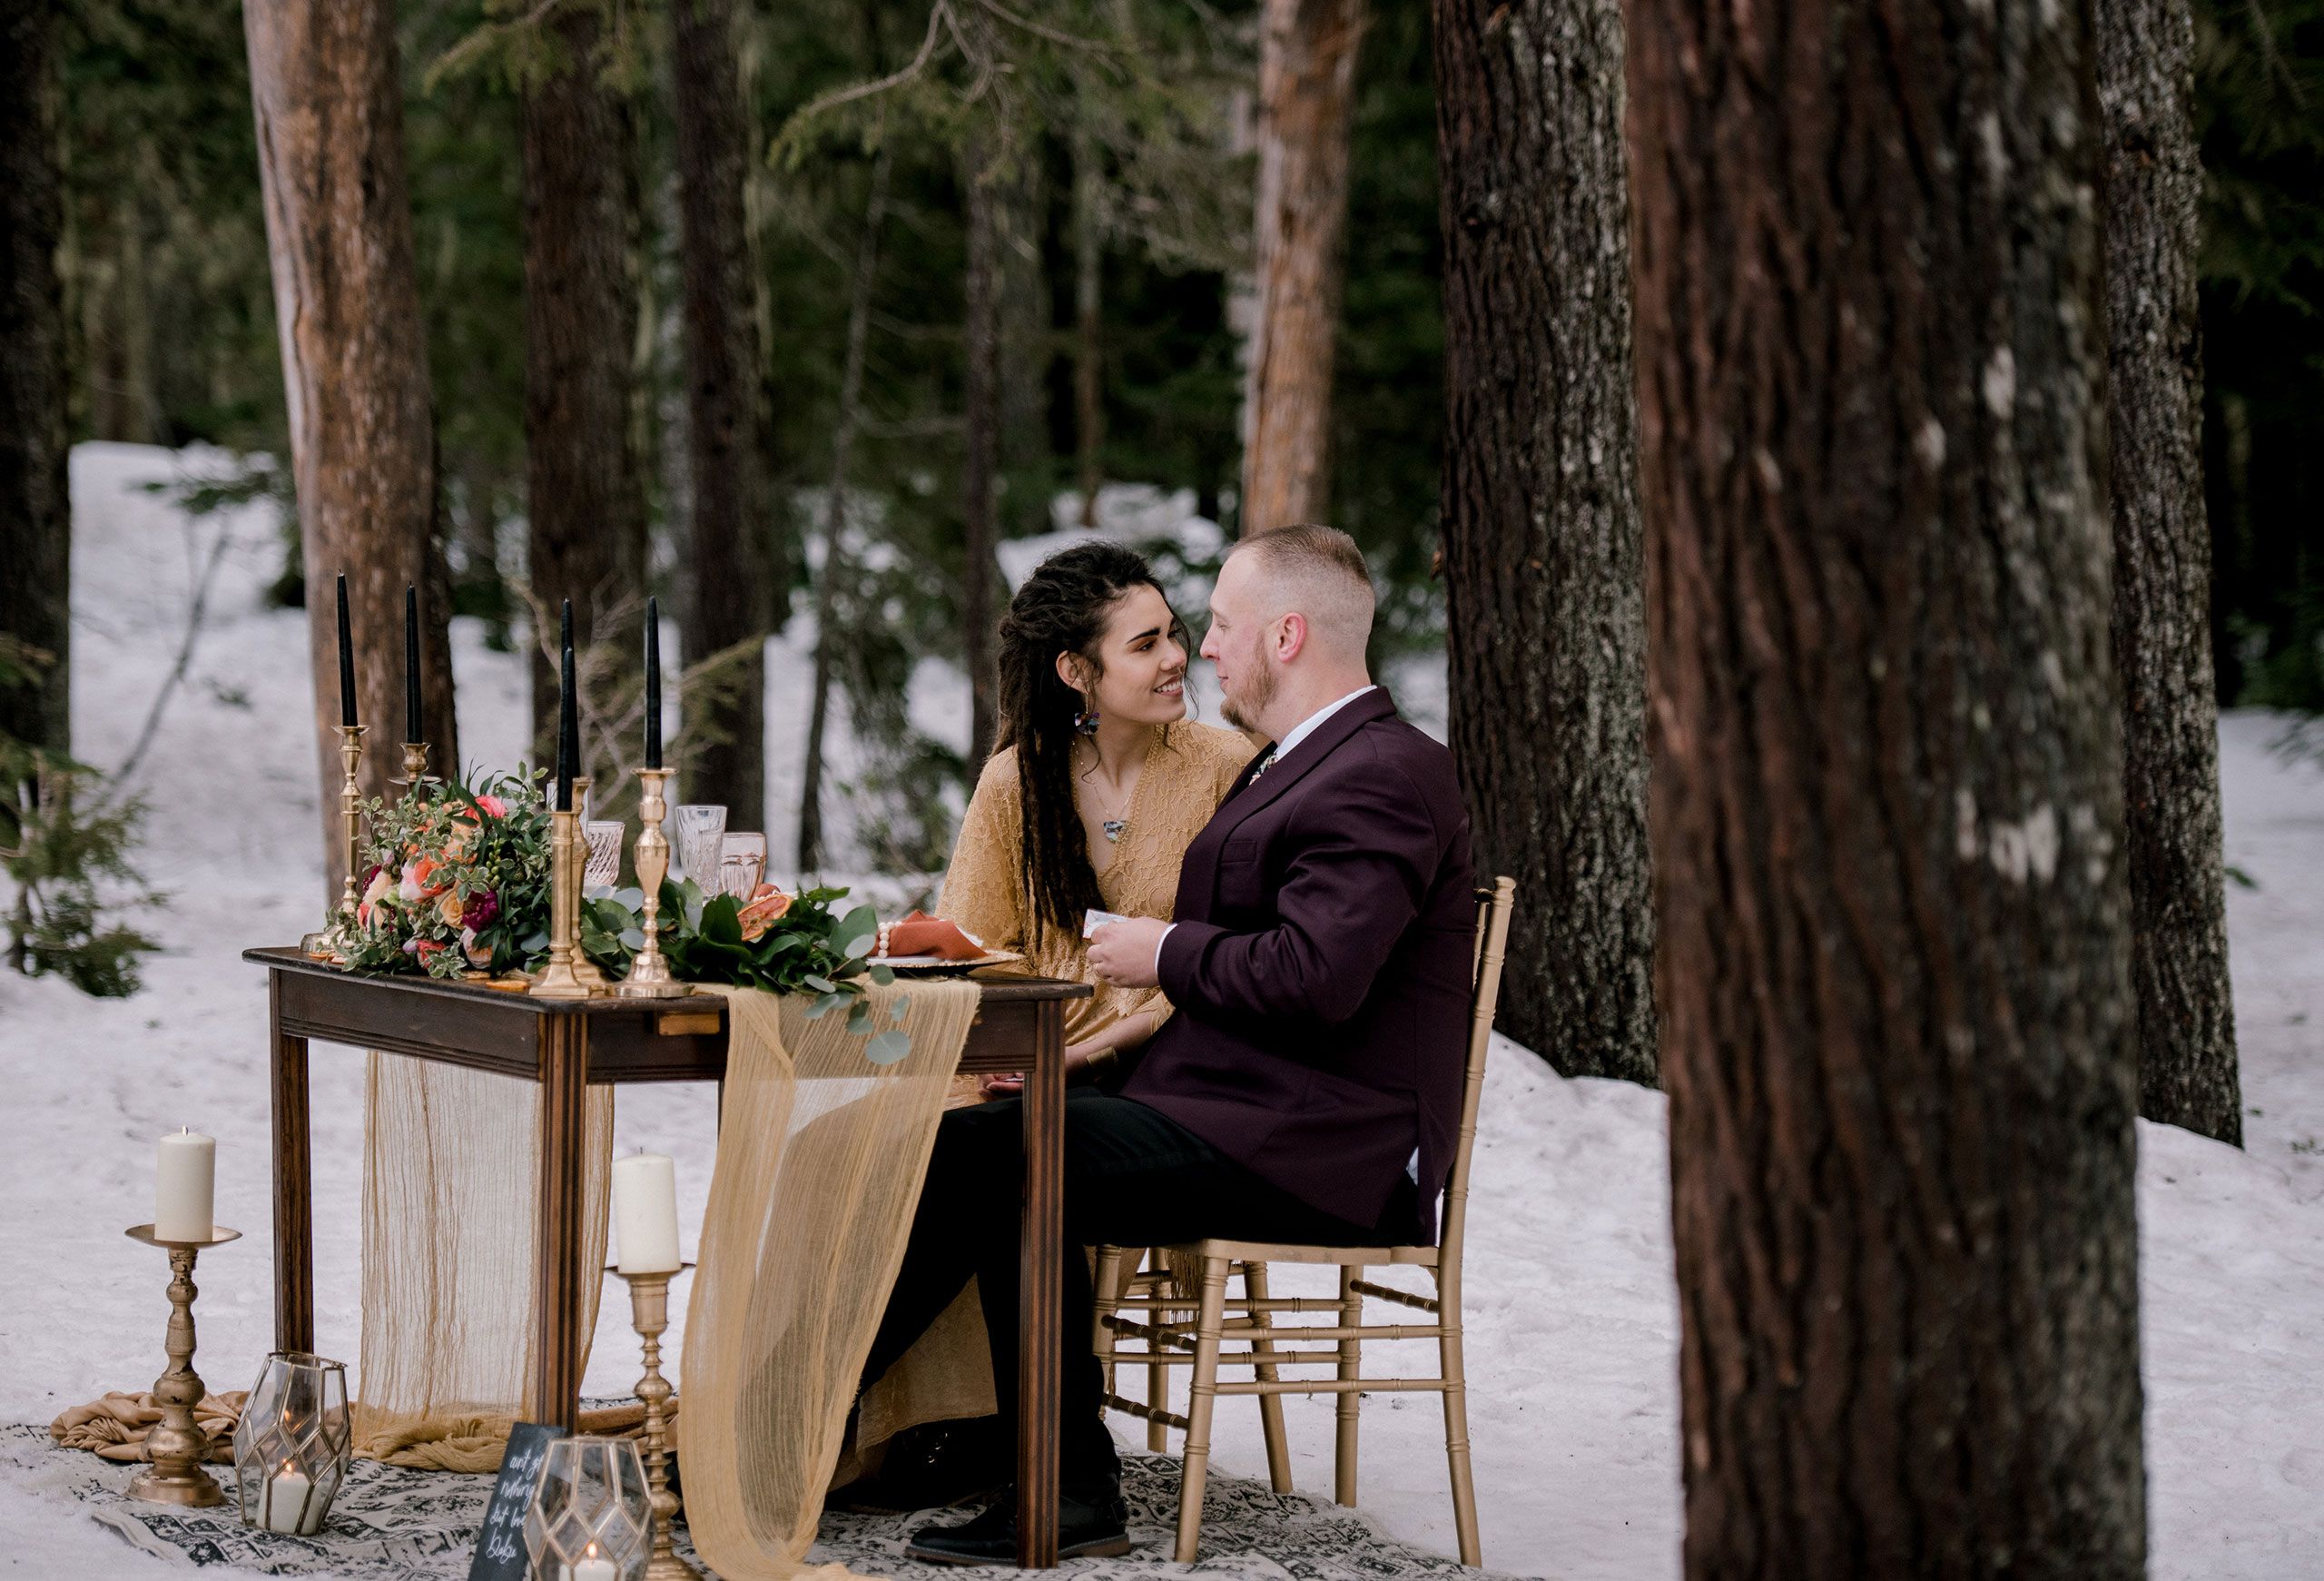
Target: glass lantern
[(292, 1444), (591, 1517)]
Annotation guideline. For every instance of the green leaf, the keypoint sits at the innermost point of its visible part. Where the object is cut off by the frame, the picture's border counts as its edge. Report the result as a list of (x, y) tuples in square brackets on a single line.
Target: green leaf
[(822, 985), (887, 1048), (859, 1018), (720, 921), (632, 938), (883, 975)]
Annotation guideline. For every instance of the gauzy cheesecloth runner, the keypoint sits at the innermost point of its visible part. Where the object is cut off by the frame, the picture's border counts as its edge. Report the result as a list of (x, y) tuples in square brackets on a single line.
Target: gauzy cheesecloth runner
[(451, 1181), (820, 1155)]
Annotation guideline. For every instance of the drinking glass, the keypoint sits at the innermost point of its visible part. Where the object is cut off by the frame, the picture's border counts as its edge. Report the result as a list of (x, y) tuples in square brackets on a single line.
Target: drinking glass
[(602, 870), (702, 830), (741, 863)]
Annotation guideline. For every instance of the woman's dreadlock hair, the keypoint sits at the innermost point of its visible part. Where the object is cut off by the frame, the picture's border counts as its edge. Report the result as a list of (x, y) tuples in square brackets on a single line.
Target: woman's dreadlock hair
[(1061, 609)]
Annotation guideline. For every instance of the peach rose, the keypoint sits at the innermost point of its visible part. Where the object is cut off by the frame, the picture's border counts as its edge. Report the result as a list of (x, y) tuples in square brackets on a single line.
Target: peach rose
[(450, 908), (766, 906), (383, 883)]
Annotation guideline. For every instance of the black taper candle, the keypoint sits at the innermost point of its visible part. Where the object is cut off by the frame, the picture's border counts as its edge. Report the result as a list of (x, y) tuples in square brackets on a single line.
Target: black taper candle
[(568, 721), (411, 665), (345, 659), (653, 683)]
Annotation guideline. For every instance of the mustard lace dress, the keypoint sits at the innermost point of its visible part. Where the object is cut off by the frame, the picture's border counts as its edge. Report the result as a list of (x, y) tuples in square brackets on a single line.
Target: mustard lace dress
[(1187, 773)]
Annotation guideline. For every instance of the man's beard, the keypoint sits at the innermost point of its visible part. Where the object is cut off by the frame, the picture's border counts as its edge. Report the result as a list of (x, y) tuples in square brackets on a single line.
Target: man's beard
[(1244, 712)]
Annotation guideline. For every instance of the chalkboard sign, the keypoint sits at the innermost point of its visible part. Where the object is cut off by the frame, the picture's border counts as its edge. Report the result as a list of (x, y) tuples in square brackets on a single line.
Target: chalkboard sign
[(500, 1544)]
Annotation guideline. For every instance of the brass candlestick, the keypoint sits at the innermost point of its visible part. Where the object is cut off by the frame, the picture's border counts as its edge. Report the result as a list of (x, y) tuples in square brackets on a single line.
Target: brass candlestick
[(558, 980), (177, 1445), (351, 810), (649, 1313), (415, 766), (587, 970), (649, 975)]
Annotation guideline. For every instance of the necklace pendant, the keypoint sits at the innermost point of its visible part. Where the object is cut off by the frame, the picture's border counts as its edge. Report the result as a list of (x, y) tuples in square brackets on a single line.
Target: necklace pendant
[(1114, 827)]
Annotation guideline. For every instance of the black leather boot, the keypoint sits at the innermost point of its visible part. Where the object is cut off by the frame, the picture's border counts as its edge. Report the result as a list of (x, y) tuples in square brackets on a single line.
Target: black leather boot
[(1096, 1523)]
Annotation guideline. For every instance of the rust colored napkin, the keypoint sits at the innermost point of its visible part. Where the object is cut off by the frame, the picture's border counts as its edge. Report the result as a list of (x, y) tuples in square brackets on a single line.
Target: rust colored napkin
[(922, 934)]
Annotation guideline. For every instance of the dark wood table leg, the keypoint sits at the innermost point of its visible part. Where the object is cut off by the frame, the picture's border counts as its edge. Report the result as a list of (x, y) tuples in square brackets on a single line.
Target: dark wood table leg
[(1040, 1343), (557, 1362), (294, 1193)]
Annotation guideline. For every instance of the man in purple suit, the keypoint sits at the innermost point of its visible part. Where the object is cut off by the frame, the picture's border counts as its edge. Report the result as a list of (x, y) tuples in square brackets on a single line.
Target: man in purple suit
[(1308, 1088)]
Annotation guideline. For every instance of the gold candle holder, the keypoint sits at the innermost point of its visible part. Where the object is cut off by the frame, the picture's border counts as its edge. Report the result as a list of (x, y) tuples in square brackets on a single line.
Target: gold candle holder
[(649, 975), (591, 975), (350, 811), (177, 1447), (649, 1314), (558, 980), (415, 766)]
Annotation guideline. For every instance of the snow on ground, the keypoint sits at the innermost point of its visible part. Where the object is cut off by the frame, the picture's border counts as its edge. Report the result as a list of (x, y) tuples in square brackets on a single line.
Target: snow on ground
[(1571, 1312)]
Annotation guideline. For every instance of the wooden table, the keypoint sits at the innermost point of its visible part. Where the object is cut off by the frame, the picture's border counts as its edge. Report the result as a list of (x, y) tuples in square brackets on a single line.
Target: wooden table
[(566, 1044)]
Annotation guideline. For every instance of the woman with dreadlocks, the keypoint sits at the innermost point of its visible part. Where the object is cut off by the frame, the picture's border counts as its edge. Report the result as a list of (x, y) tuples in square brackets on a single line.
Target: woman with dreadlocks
[(1098, 784)]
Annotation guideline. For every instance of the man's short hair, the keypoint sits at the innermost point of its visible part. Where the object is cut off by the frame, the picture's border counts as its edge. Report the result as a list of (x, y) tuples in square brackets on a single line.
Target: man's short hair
[(1318, 573)]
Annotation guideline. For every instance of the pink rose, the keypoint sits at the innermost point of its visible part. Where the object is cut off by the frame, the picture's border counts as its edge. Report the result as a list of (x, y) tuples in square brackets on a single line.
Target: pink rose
[(380, 885), (494, 806)]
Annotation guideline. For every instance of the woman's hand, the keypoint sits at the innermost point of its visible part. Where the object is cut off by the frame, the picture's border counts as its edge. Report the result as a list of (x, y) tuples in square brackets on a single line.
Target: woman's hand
[(1077, 1064)]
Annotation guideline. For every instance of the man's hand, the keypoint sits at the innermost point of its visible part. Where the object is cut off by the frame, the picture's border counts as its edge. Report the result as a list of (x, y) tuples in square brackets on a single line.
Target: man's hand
[(1123, 954)]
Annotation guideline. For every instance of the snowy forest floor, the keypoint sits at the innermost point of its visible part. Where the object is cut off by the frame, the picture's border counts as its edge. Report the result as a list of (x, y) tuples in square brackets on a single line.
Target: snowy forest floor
[(1571, 1312)]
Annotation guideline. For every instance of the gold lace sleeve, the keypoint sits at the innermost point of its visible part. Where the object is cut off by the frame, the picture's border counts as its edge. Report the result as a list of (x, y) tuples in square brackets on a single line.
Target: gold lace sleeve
[(983, 888)]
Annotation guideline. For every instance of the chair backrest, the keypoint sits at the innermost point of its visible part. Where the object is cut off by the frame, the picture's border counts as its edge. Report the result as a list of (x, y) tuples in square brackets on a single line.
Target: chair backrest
[(1494, 906)]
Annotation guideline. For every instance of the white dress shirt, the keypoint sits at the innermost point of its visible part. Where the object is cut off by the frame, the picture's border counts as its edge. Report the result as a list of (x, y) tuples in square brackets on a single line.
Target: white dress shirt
[(1281, 750)]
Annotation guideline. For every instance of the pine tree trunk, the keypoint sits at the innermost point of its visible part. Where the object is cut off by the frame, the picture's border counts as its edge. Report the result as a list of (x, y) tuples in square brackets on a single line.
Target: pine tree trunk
[(35, 503), (1088, 329), (982, 463), (728, 471), (2186, 1016), (1306, 97), (1893, 958), (585, 511), (1543, 563), (330, 112)]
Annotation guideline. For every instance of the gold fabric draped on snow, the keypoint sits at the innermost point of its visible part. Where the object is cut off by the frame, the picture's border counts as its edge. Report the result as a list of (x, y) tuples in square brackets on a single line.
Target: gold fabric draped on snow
[(947, 1373), (451, 1177), (820, 1156)]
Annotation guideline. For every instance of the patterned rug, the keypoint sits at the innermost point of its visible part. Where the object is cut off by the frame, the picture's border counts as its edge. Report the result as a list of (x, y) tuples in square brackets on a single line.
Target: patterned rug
[(393, 1524)]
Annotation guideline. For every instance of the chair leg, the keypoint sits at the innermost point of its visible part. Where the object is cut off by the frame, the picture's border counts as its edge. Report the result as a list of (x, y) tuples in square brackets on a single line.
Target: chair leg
[(1254, 1286), (1453, 1370), (1157, 1376), (1201, 1395), (1103, 1284), (1351, 1351)]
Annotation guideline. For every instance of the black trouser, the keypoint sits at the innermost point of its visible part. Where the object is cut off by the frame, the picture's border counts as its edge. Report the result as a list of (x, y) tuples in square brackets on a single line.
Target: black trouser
[(1133, 1177)]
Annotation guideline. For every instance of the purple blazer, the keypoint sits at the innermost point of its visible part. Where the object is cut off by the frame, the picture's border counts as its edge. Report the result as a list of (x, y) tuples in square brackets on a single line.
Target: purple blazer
[(1320, 970)]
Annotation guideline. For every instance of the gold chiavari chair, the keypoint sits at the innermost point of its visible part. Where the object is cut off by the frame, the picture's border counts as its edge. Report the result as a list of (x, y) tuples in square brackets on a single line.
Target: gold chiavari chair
[(1177, 1329)]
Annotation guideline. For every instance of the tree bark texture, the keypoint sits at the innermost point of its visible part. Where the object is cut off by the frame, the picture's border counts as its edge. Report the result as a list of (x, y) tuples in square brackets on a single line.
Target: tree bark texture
[(1543, 558), (1893, 958), (1088, 327), (1306, 98), (35, 502), (2162, 571), (980, 465), (732, 493), (329, 104), (585, 510)]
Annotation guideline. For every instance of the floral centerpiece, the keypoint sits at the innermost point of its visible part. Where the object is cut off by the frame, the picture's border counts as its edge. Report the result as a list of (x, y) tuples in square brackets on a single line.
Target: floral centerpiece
[(455, 880)]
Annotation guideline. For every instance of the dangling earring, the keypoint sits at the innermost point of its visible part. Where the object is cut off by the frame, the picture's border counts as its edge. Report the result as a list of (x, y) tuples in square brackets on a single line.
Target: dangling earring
[(1085, 719)]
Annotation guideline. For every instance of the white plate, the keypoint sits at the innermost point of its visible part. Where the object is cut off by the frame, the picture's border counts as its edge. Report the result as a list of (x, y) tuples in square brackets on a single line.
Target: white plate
[(938, 964)]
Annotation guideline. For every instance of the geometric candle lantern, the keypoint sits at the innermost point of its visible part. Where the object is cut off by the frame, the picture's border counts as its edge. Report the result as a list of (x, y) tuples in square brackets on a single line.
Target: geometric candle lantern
[(293, 1442), (591, 1514)]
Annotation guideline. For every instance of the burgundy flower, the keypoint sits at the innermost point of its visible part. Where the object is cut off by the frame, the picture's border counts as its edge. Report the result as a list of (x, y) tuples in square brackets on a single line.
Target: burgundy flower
[(482, 907)]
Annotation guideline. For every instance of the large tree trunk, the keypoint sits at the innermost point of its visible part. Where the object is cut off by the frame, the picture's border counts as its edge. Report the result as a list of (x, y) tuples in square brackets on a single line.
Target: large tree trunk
[(1544, 575), (330, 112), (36, 504), (1893, 964), (981, 464), (1088, 327), (1306, 96), (2186, 1016), (732, 497), (585, 513)]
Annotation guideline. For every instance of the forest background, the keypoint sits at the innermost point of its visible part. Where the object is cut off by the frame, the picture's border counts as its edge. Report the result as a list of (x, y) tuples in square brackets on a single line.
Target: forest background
[(1137, 205)]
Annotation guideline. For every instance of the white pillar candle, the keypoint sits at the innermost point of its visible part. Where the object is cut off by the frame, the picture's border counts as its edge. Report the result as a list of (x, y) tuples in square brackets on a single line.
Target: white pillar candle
[(285, 1502), (646, 1214), (184, 1184), (592, 1567)]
